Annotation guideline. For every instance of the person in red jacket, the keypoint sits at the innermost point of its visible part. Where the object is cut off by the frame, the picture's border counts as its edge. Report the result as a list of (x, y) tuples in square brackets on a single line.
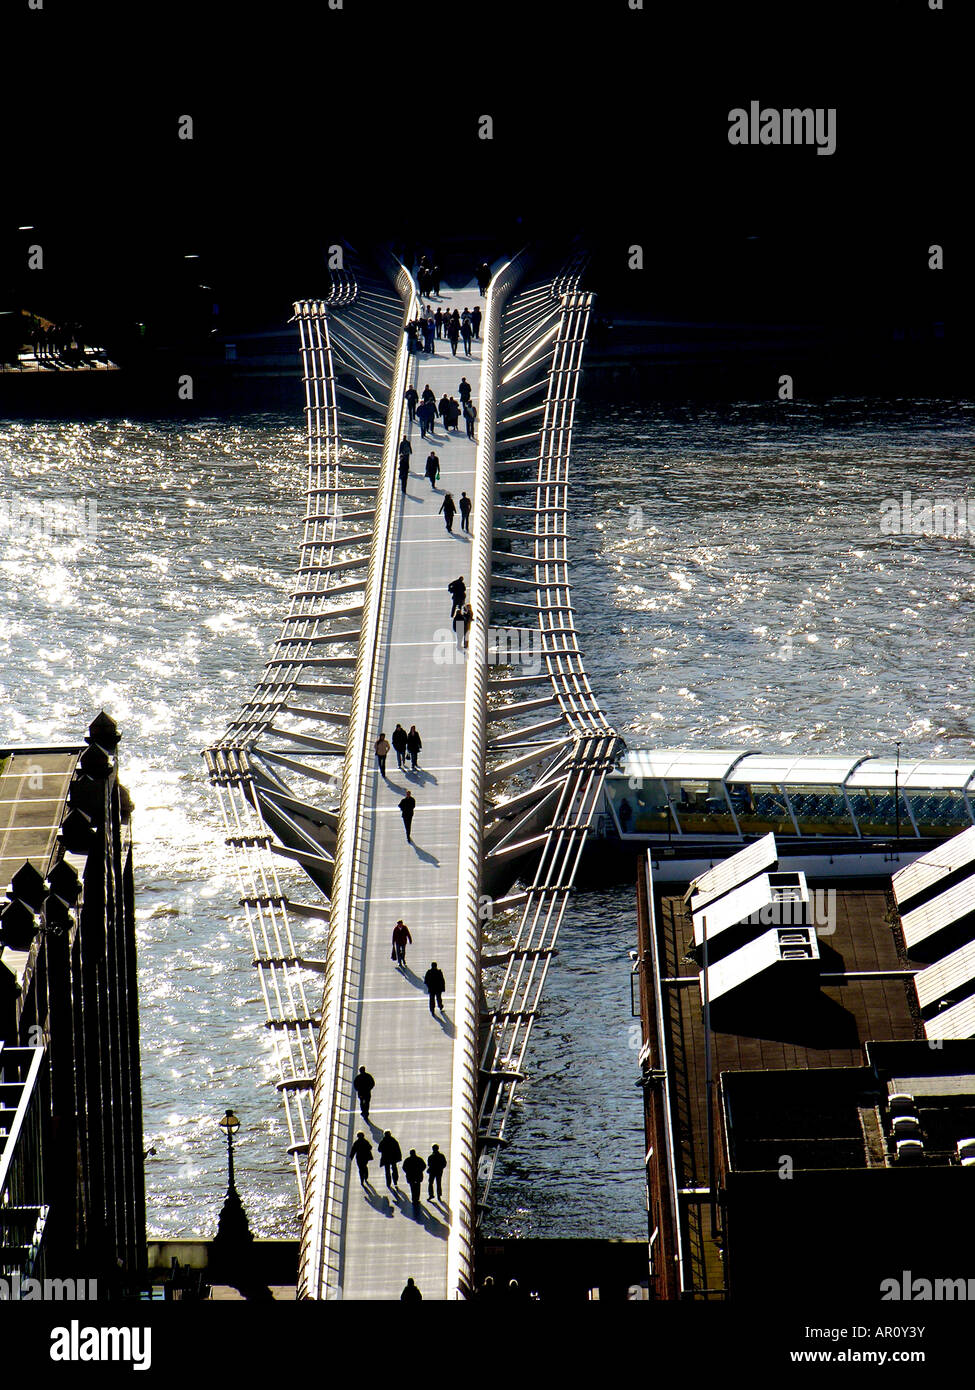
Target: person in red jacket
[(401, 937)]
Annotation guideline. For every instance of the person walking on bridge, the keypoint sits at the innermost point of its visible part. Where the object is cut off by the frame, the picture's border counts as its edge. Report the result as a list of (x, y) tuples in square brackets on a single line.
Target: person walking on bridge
[(464, 390), (443, 409), (382, 752), (436, 984), (432, 469), (407, 807), (401, 938), (411, 400), (458, 594), (399, 743), (449, 511), (413, 1170), (404, 471), (413, 745), (363, 1155), (405, 450), (466, 331), (390, 1154), (464, 504), (453, 419), (436, 1163), (476, 320), (363, 1085), (453, 331), (438, 320), (483, 276), (427, 413), (462, 623), (470, 415)]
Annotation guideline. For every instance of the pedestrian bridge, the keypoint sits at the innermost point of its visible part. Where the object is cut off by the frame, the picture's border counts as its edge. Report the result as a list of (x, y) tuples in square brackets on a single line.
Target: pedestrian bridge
[(515, 749)]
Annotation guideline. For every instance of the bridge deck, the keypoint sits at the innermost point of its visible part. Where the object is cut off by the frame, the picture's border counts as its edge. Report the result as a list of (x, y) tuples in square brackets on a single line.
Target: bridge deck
[(384, 1242)]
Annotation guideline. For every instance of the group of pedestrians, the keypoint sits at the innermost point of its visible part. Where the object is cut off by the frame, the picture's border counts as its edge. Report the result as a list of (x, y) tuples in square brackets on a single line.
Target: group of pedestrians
[(57, 342), (428, 278), (425, 408), (456, 326), (390, 1153), (390, 1159), (406, 744), (449, 508)]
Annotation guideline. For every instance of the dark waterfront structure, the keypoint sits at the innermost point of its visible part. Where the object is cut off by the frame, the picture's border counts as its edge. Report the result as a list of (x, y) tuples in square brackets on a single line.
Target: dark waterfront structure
[(72, 1195), (807, 1126)]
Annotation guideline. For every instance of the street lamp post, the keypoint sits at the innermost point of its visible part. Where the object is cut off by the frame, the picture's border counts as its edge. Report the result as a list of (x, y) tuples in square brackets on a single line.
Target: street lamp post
[(230, 1125)]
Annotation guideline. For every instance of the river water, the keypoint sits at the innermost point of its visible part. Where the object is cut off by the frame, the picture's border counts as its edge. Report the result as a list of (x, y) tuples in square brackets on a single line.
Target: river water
[(733, 587)]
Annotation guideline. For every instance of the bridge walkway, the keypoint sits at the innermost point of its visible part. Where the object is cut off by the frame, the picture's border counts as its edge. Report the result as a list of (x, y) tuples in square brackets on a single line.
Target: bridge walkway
[(416, 679)]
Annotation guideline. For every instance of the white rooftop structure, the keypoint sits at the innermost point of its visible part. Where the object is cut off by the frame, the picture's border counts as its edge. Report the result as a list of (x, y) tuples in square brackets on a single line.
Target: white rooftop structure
[(945, 859)]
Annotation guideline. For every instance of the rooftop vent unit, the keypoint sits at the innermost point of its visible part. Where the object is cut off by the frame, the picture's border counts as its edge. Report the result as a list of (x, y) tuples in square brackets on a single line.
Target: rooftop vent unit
[(791, 952), (905, 1127), (750, 909), (900, 1103), (965, 1148), (910, 1151)]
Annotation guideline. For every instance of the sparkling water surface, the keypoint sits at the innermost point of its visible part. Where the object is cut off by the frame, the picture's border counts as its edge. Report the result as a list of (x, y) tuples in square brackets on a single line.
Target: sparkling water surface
[(732, 588)]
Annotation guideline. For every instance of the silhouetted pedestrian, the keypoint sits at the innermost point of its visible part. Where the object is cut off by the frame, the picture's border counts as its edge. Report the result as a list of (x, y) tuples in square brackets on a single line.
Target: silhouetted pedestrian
[(449, 511), (483, 276), (453, 331), (404, 472), (407, 807), (436, 1163), (453, 418), (411, 1294), (438, 320), (413, 1170), (363, 1155), (464, 503), (390, 1155), (401, 938), (363, 1085), (426, 413), (399, 743), (470, 415), (443, 409), (476, 320), (462, 624), (382, 752), (435, 279), (464, 390), (457, 590), (413, 745), (467, 617), (436, 984), (432, 469), (405, 450), (411, 400)]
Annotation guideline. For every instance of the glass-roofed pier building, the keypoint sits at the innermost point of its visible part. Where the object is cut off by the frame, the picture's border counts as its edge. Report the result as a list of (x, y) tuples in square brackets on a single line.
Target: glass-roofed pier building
[(849, 815)]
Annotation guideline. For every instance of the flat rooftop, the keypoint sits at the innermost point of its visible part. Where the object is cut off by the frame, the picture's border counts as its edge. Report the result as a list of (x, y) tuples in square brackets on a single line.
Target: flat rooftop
[(33, 787), (827, 1027)]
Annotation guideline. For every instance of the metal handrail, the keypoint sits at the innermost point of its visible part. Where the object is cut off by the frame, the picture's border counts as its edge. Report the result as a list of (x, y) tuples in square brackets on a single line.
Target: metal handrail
[(319, 1273)]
